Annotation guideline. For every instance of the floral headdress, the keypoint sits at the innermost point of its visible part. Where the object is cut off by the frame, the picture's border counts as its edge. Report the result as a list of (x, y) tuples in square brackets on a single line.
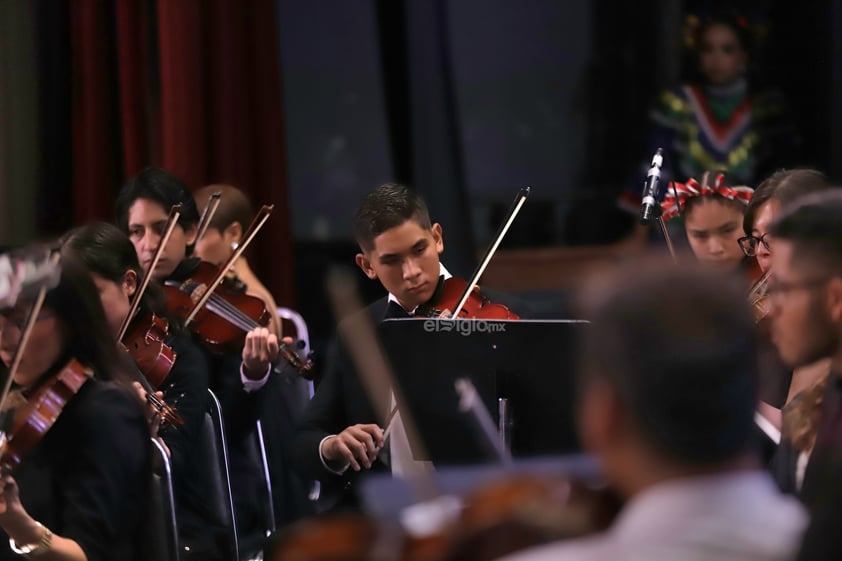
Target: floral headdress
[(678, 193)]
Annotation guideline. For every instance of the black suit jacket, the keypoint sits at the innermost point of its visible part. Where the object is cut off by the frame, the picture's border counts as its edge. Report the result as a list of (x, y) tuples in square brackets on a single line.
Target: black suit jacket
[(88, 478), (341, 401), (822, 488)]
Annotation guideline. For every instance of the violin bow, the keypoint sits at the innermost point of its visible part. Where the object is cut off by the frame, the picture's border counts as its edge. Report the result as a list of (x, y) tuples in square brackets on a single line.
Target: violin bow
[(360, 338), (26, 332), (172, 220), (207, 214), (259, 220), (489, 254)]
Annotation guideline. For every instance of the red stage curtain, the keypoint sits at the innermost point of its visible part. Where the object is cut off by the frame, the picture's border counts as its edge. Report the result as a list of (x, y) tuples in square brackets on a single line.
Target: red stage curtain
[(194, 87)]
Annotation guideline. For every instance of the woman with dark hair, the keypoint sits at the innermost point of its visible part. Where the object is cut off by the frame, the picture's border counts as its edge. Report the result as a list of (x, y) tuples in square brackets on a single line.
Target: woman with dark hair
[(80, 493), (795, 389), (112, 262)]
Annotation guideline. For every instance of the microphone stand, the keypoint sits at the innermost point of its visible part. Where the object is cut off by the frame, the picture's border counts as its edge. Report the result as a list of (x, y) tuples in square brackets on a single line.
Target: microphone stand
[(659, 216), (651, 207)]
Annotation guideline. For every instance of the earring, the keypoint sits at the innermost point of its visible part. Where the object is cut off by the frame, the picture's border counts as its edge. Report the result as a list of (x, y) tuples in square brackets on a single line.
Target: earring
[(234, 246)]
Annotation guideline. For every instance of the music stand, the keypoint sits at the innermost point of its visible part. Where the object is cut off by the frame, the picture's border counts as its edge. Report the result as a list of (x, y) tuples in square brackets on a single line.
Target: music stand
[(529, 362)]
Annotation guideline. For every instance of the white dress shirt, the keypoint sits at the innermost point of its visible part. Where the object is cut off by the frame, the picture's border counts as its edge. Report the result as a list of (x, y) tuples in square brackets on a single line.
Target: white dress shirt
[(735, 517)]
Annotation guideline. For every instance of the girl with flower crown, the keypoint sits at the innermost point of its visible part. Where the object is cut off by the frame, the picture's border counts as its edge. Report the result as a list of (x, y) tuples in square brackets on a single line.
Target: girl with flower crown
[(713, 211)]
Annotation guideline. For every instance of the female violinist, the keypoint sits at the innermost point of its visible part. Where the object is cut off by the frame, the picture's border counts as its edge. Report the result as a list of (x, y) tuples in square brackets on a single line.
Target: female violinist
[(109, 256), (80, 493), (782, 385), (238, 375), (224, 234)]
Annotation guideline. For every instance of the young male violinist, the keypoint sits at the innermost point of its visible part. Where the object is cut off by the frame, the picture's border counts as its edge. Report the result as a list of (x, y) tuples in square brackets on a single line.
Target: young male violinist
[(142, 209), (340, 436)]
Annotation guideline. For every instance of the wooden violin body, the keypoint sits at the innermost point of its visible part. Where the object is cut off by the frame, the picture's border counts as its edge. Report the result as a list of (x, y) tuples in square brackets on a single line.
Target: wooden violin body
[(228, 315), (477, 305), (34, 418), (145, 343)]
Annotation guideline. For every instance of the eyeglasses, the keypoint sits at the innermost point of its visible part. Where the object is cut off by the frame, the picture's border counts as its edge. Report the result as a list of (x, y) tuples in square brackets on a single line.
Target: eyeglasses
[(776, 289), (749, 244)]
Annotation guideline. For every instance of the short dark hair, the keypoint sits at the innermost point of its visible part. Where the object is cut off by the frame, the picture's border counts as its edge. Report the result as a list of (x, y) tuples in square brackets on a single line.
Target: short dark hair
[(234, 206), (160, 186), (387, 207), (678, 346), (784, 186), (814, 225), (106, 251)]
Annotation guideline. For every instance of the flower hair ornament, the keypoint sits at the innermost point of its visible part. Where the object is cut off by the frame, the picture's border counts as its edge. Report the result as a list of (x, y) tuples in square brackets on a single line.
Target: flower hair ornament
[(678, 193)]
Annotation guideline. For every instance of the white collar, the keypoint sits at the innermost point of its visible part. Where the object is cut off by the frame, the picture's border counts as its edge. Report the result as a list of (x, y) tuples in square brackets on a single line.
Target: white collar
[(443, 272)]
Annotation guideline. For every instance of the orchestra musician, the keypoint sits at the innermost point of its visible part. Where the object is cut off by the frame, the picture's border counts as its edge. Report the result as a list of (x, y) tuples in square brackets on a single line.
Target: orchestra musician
[(805, 296), (780, 384), (667, 400), (339, 435), (223, 235), (236, 377), (111, 259), (80, 494)]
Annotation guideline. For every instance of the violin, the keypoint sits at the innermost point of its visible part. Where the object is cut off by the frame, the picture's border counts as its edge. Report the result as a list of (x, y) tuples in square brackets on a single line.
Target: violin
[(154, 360), (227, 316), (216, 308), (463, 299), (145, 343), (38, 414), (447, 296), (34, 418), (757, 297)]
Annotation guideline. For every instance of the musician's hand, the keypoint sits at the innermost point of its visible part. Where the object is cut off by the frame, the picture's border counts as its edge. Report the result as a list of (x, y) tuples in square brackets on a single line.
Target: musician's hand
[(358, 445), (13, 517), (153, 416), (260, 349)]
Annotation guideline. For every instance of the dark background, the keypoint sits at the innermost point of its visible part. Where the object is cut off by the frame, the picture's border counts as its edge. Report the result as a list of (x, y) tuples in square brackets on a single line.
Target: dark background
[(308, 105)]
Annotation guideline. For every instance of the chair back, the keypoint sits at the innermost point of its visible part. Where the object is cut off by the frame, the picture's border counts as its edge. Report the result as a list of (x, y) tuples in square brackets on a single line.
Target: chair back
[(162, 539), (221, 501)]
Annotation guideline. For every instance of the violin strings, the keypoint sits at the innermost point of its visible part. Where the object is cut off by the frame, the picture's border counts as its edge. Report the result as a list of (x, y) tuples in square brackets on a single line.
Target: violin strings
[(235, 315)]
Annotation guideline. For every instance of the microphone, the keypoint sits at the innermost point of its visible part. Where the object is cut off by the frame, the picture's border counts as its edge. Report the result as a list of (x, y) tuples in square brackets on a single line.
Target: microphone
[(23, 272), (650, 208)]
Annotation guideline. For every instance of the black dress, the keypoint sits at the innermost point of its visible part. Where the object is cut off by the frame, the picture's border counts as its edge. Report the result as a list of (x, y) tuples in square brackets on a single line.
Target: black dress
[(87, 479)]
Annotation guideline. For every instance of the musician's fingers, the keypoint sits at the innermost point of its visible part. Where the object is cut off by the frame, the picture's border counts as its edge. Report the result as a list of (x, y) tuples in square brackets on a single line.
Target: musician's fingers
[(376, 434), (272, 346)]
